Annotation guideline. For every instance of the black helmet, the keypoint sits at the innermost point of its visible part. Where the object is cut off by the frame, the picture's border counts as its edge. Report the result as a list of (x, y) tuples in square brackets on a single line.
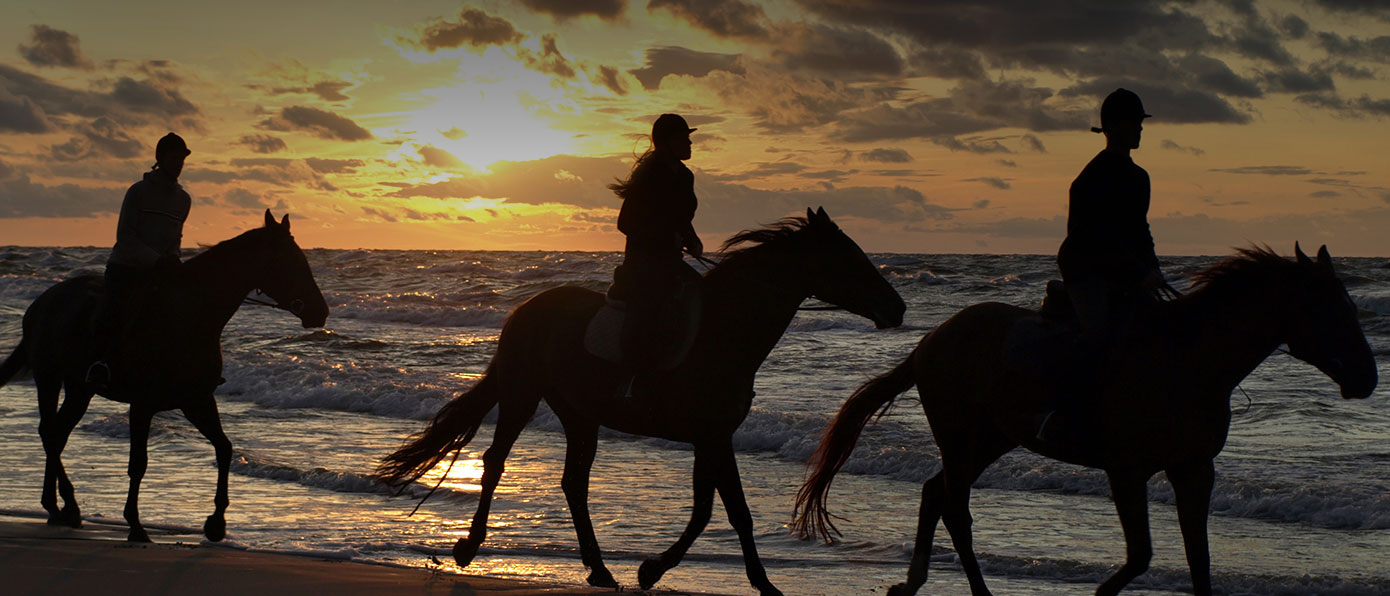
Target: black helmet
[(669, 126), (171, 144), (1122, 104)]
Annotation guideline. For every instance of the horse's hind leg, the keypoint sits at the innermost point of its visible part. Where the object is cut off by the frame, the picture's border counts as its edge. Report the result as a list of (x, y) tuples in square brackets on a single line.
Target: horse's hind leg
[(581, 443), (1130, 493), (204, 417), (704, 479), (933, 493), (511, 419), (55, 426), (139, 459), (961, 464)]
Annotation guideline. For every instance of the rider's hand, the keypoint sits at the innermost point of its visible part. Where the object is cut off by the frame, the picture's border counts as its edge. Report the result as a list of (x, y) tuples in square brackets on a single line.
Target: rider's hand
[(695, 247), (1154, 285)]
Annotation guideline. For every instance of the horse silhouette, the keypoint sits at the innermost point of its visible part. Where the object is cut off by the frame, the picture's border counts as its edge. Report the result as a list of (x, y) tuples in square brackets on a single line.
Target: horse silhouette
[(172, 359), (1164, 404), (748, 301)]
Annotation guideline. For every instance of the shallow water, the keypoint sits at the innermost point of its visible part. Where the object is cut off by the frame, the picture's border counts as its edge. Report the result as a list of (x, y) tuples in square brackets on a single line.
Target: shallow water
[(1301, 504)]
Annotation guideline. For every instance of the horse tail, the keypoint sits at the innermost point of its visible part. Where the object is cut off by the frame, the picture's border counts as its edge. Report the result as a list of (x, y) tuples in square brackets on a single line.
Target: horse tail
[(810, 515), (18, 360), (451, 429)]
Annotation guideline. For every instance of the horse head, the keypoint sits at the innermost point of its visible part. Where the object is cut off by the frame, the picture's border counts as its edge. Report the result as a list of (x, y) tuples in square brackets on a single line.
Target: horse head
[(1324, 330), (286, 276), (840, 273)]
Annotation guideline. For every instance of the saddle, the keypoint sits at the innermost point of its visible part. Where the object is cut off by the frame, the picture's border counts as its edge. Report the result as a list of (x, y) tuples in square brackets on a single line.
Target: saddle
[(603, 337), (1046, 344)]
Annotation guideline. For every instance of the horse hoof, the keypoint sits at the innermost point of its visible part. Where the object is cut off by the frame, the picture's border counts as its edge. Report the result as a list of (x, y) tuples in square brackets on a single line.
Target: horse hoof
[(138, 535), (71, 517), (464, 552), (901, 590), (649, 573), (215, 528), (769, 591), (601, 578)]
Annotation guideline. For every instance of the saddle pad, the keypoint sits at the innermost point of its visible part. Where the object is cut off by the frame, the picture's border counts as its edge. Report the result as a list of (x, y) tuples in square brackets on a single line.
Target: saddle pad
[(604, 336)]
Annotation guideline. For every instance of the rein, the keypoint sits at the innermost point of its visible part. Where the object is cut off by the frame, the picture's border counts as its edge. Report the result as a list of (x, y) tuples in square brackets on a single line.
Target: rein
[(296, 306), (711, 264)]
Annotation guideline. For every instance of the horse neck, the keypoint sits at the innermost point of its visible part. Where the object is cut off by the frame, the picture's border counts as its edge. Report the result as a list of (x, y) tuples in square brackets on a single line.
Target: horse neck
[(216, 282), (1232, 330), (749, 302)]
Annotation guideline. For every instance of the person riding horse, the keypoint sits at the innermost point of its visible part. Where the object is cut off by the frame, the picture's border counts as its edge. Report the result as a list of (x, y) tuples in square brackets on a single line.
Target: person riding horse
[(148, 235), (658, 206), (1107, 260)]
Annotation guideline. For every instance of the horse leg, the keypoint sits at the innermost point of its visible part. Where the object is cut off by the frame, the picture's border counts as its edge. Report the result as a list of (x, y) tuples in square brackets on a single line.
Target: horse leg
[(1131, 495), (579, 459), (704, 478), (48, 389), (139, 458), (74, 407), (511, 419), (933, 492), (203, 415), (958, 478), (736, 505), (1192, 489)]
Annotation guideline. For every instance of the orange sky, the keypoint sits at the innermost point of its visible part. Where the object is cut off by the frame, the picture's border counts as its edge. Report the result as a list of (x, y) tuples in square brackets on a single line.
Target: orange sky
[(949, 126)]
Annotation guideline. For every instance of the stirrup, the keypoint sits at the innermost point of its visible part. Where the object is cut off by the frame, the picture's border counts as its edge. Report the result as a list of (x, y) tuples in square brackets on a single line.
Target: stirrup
[(99, 374)]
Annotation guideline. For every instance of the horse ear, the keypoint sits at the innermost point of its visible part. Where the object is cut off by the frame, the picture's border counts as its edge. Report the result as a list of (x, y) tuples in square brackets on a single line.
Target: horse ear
[(1298, 252), (285, 221), (269, 219), (820, 214), (1324, 258), (810, 215)]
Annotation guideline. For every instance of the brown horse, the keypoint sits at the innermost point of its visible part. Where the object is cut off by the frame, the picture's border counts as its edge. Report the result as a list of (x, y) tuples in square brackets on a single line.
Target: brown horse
[(748, 301), (171, 360), (1163, 406)]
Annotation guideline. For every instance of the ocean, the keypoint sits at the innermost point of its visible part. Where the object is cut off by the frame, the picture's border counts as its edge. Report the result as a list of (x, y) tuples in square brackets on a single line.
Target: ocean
[(1301, 505)]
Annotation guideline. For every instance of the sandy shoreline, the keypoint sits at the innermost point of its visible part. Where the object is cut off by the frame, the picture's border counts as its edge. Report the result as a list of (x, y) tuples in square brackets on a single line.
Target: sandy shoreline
[(36, 558)]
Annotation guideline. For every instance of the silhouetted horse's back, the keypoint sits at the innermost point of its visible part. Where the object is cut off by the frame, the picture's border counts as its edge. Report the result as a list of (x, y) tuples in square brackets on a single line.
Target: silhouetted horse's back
[(170, 359), (1163, 406)]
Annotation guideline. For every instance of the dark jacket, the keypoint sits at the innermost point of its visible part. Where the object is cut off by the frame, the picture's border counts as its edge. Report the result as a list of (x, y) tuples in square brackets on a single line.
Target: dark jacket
[(151, 222), (658, 207), (1107, 223)]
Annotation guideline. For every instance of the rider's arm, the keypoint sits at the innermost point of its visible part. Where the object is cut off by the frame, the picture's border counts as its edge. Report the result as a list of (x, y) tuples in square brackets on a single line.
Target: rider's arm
[(136, 251)]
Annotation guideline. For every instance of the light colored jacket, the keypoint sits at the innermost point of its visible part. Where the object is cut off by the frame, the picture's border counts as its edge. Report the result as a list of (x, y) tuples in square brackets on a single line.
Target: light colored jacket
[(151, 222)]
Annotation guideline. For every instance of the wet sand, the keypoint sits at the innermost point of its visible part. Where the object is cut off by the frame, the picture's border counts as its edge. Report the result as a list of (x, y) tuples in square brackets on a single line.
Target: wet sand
[(36, 558)]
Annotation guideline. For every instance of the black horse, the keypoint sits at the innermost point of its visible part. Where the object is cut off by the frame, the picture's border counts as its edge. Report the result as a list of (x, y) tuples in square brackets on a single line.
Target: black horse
[(748, 301), (1164, 402), (171, 359)]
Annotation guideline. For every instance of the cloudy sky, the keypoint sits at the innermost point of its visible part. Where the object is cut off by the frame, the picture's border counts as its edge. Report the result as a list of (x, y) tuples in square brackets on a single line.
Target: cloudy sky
[(943, 126)]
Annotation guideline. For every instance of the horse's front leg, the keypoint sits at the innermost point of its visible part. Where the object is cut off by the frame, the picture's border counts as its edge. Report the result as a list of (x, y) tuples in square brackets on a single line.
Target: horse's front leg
[(705, 475), (731, 491), (203, 415), (581, 442), (139, 458), (1192, 490), (1131, 495)]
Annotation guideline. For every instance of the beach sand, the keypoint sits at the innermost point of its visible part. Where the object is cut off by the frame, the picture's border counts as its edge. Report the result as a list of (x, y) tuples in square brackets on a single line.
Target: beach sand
[(36, 558)]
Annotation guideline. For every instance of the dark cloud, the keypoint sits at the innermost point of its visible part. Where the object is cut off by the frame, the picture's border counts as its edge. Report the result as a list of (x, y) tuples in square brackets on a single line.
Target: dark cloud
[(325, 90), (998, 183), (886, 155), (243, 199), (611, 78), (1361, 107), (1033, 143), (439, 158), (1173, 146), (474, 28), (829, 175), (1294, 26), (567, 9), (1167, 104), (333, 166), (155, 100), (20, 114), (53, 47), (1370, 7), (725, 18), (948, 63), (837, 51), (263, 143), (1257, 40), (970, 145), (1376, 48), (1214, 75), (99, 138), (764, 170), (664, 61), (549, 61), (320, 123), (20, 197), (1267, 170), (1292, 80), (971, 107), (1008, 163)]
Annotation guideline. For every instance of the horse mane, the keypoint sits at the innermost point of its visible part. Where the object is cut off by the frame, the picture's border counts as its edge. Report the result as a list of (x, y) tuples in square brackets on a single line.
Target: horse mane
[(773, 233), (1256, 262), (234, 245)]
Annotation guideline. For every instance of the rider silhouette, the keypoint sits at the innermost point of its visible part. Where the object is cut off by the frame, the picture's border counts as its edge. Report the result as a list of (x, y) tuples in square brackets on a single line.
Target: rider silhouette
[(1107, 260), (658, 207), (148, 235)]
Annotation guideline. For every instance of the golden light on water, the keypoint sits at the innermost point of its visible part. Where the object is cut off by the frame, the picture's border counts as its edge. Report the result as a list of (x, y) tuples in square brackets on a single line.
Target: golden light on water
[(465, 475)]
